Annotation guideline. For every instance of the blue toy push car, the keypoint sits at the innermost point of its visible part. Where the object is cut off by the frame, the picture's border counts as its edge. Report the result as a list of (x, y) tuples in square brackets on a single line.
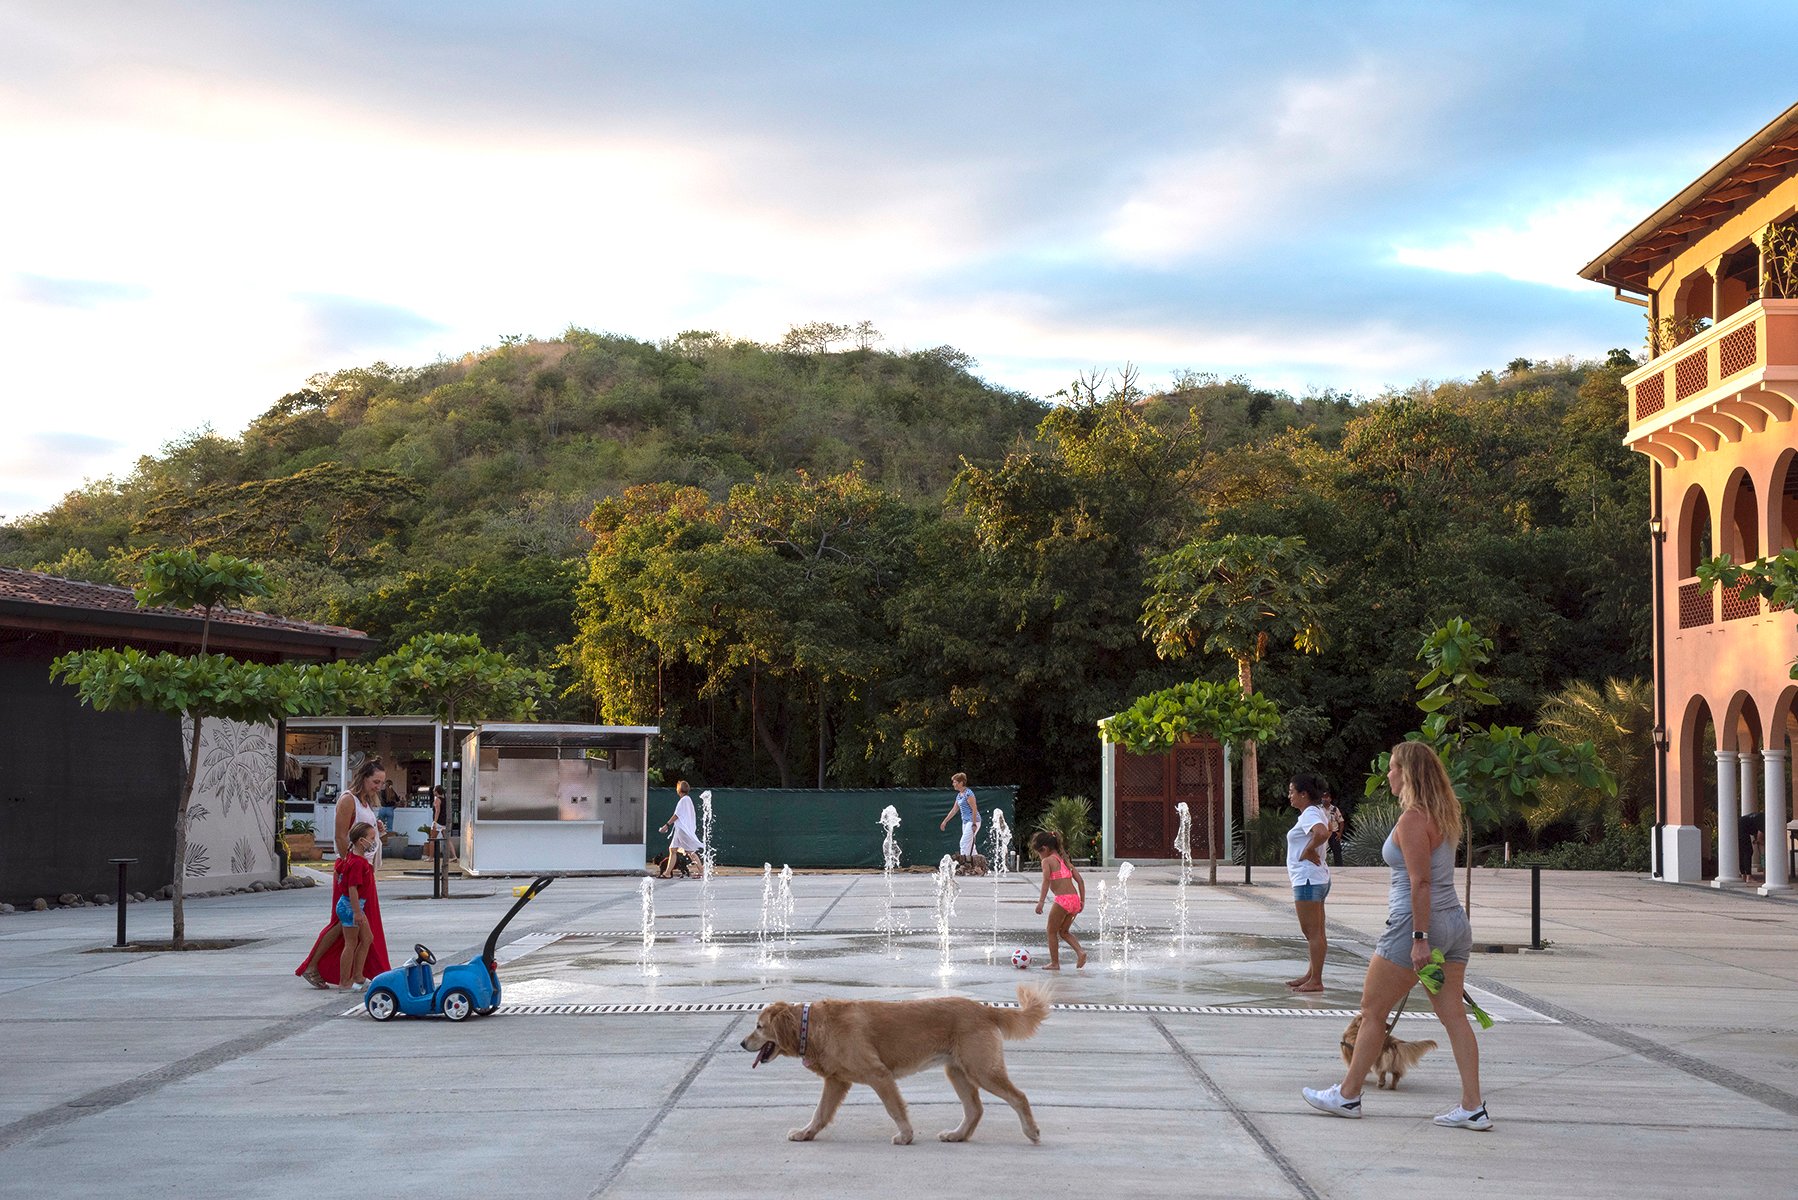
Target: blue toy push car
[(464, 990)]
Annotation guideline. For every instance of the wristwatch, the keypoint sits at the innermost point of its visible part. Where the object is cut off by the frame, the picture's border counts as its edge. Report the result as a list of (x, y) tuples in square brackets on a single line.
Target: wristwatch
[(1418, 935)]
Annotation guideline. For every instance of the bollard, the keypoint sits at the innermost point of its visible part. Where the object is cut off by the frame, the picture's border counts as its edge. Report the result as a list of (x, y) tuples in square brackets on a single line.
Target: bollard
[(1535, 907), (1248, 858), (123, 864)]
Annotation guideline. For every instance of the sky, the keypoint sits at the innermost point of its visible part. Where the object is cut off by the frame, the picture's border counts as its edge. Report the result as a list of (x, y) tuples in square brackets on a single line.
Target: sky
[(207, 203)]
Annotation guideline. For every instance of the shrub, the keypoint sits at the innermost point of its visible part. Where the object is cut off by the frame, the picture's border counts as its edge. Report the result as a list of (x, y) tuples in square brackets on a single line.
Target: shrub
[(1071, 819), (1623, 848), (1368, 831)]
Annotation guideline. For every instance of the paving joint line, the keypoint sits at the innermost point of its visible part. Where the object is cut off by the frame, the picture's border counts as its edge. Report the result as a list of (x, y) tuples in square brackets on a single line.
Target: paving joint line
[(1711, 1073), (104, 1099), (655, 1122), (1254, 1131), (833, 904)]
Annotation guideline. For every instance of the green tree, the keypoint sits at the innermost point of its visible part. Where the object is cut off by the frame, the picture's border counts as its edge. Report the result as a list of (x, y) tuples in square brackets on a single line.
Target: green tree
[(1157, 722), (452, 676), (202, 685), (1496, 770), (1617, 717), (1235, 596), (1774, 578)]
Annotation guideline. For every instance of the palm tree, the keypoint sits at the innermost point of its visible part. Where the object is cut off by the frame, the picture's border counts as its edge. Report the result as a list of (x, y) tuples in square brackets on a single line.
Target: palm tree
[(1236, 595), (1617, 717)]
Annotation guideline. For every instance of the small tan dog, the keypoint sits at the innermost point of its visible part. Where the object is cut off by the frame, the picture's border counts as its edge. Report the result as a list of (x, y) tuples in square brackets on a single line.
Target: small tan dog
[(1396, 1056), (877, 1042)]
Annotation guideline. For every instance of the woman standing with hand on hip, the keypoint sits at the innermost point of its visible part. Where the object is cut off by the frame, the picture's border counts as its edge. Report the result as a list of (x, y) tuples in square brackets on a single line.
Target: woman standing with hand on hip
[(1423, 914), (1310, 878)]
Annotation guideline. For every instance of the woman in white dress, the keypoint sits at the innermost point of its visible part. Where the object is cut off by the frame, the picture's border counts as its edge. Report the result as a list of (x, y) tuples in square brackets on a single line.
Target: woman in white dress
[(685, 836)]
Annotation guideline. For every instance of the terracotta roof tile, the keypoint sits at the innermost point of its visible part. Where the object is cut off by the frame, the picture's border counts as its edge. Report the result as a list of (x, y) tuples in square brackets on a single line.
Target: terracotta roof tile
[(34, 587)]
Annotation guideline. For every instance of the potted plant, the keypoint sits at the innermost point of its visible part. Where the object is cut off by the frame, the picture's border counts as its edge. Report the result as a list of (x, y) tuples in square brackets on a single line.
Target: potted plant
[(301, 845)]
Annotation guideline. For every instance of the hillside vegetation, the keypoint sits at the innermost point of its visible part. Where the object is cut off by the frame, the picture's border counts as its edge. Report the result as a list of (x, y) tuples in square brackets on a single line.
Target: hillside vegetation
[(874, 568)]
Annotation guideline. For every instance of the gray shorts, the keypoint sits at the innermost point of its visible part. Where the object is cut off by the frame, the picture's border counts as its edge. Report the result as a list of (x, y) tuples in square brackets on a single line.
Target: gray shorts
[(1449, 933)]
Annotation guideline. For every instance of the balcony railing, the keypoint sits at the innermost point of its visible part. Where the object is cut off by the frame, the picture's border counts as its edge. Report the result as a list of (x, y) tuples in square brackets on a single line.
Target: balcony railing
[(1696, 606), (1715, 386)]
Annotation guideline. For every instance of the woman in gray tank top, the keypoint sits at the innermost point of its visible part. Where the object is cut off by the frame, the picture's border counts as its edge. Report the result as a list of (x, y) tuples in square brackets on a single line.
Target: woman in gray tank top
[(1423, 913)]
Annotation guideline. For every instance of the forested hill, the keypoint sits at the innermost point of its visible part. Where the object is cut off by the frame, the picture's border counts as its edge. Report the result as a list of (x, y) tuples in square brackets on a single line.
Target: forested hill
[(875, 568)]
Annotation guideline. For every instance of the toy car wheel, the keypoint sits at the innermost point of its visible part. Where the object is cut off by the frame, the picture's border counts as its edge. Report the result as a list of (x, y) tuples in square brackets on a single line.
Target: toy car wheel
[(458, 1005), (382, 1004)]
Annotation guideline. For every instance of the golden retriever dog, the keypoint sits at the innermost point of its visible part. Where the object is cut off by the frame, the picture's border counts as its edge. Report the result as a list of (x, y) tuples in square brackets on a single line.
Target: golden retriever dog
[(1396, 1056), (877, 1042)]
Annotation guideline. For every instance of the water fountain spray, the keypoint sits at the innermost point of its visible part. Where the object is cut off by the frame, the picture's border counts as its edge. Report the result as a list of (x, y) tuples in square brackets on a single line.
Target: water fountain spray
[(1183, 847), (893, 922), (783, 910), (1104, 925), (762, 955), (1120, 912), (646, 958), (706, 863), (1001, 847), (946, 890)]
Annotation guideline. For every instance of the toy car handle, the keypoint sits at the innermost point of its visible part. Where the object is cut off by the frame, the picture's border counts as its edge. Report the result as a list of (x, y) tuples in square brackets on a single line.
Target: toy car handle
[(530, 893)]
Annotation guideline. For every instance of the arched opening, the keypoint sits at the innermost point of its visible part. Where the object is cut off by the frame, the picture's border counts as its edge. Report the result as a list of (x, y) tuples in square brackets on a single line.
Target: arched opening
[(1692, 302), (1738, 279), (1698, 780), (1738, 783), (1694, 532), (1783, 499), (1741, 518)]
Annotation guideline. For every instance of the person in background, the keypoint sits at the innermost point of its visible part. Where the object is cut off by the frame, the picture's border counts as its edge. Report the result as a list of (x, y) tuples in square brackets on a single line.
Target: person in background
[(968, 807), (1310, 878), (354, 807), (685, 836), (1337, 822)]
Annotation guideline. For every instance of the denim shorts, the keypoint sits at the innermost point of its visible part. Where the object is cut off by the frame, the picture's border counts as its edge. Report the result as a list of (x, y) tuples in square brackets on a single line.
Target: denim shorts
[(1310, 891), (1450, 932)]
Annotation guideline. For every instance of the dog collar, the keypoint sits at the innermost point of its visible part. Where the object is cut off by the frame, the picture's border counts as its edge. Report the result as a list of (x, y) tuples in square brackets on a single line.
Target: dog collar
[(805, 1024)]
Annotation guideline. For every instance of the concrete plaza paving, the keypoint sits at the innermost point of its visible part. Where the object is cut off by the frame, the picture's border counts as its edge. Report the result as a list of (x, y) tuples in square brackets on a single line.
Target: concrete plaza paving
[(1652, 1050)]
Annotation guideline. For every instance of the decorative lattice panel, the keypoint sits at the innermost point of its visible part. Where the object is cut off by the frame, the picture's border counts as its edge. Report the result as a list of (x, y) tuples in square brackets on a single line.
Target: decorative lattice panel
[(1692, 374), (1738, 604), (1142, 830), (1651, 396), (1738, 349), (1695, 606), (1140, 774)]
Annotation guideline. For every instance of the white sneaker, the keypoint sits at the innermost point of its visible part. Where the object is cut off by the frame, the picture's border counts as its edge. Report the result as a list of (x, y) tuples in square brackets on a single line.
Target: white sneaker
[(1461, 1118), (1330, 1100)]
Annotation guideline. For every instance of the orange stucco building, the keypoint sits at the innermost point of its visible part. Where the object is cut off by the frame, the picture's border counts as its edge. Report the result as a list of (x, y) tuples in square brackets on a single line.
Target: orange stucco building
[(1716, 409)]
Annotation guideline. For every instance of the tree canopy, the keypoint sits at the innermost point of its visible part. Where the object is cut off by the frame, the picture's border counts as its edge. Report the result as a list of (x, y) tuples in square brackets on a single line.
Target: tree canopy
[(835, 560)]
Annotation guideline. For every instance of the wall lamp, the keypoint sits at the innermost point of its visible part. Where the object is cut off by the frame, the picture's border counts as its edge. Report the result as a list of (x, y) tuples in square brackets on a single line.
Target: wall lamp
[(1657, 527)]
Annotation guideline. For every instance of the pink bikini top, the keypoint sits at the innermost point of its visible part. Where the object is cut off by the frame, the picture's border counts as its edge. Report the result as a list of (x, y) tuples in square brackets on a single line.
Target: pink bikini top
[(1066, 871)]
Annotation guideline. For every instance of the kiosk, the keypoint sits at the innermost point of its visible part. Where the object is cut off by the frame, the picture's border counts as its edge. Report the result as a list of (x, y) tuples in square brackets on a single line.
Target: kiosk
[(541, 799)]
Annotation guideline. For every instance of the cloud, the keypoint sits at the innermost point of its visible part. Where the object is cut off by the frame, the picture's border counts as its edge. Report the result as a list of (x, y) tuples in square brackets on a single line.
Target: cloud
[(1547, 245), (346, 324), (75, 293), (40, 465)]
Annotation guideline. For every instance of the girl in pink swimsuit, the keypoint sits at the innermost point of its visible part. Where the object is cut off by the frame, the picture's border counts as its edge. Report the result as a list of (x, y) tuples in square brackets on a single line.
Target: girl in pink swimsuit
[(1060, 877)]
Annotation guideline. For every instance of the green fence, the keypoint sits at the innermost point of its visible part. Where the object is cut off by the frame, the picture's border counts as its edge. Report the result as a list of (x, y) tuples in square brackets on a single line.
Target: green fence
[(805, 828)]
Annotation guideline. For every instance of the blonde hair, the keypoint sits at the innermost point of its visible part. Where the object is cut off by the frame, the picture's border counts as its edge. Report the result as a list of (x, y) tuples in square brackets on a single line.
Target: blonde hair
[(1423, 783)]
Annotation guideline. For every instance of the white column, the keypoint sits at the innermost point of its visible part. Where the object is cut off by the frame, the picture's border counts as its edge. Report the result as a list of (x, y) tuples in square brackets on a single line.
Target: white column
[(1728, 807), (1778, 856), (1750, 785)]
